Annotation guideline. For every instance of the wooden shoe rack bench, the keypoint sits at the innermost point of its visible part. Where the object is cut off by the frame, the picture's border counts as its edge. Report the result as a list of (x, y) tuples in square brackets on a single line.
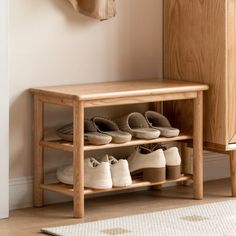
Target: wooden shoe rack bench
[(80, 97)]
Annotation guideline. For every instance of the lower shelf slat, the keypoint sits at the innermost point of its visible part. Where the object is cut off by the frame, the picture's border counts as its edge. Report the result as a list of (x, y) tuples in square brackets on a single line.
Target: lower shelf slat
[(137, 183)]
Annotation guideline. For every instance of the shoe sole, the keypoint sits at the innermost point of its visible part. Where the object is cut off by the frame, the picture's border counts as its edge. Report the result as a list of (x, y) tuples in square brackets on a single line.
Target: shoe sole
[(173, 172), (152, 174)]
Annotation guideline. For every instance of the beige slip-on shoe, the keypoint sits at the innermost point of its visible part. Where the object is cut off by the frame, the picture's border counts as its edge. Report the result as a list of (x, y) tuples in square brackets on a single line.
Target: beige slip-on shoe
[(91, 135), (136, 124), (161, 123), (109, 127)]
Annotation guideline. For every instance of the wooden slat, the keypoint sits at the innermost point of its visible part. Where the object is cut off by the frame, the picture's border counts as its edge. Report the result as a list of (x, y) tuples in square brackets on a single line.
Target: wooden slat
[(233, 172), (68, 190), (59, 188), (109, 90), (38, 151), (58, 145), (140, 99), (56, 100), (68, 146), (78, 159), (198, 147)]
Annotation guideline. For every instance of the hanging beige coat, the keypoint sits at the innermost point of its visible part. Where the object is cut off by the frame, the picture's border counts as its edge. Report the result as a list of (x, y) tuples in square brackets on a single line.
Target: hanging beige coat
[(99, 9)]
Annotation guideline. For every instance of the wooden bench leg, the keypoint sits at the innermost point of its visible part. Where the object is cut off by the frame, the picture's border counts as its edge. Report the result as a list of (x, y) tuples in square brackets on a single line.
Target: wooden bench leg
[(233, 172), (198, 146), (38, 151), (78, 159)]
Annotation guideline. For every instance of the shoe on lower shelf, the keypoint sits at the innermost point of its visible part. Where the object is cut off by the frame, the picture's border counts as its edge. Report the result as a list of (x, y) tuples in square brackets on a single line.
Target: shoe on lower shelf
[(96, 175), (65, 174), (161, 123), (173, 163), (119, 171), (152, 165)]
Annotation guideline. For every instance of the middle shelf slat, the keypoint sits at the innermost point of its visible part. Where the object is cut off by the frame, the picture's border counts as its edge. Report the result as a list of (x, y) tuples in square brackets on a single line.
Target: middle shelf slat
[(69, 147)]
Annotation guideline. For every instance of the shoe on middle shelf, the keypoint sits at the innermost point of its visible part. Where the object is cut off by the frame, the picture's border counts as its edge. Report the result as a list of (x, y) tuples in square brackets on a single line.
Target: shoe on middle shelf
[(136, 124), (158, 121), (152, 164), (91, 135), (109, 127), (119, 171)]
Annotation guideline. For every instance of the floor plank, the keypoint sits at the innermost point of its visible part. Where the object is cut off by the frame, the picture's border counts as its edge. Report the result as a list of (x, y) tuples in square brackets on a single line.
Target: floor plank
[(27, 222)]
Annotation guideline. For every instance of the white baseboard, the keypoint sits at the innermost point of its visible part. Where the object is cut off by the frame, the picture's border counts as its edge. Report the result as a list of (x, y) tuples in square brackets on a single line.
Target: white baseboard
[(216, 166)]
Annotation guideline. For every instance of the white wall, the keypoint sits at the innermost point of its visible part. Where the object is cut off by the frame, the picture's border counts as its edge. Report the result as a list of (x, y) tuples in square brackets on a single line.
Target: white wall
[(52, 44), (4, 109)]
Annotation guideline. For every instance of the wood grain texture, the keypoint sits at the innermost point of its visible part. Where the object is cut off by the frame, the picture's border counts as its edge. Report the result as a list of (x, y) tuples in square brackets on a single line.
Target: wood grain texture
[(69, 147), (195, 50), (140, 99), (233, 172), (38, 151), (138, 183), (231, 71), (121, 89), (198, 147), (78, 159)]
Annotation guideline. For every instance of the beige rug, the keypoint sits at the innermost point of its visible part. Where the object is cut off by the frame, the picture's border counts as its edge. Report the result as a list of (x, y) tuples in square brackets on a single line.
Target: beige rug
[(215, 219)]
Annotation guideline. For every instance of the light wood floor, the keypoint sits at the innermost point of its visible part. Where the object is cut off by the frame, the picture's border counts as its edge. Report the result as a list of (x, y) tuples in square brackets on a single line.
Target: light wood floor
[(27, 222)]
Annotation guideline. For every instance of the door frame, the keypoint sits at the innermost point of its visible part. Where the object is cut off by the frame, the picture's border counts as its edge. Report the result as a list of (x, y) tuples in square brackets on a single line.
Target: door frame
[(4, 110)]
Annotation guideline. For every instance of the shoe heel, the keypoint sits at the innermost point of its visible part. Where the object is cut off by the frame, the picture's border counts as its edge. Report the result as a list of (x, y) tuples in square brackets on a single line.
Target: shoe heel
[(154, 174), (173, 172)]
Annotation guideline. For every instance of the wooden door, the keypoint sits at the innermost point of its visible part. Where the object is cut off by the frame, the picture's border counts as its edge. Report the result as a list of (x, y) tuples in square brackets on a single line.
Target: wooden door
[(195, 50), (231, 70)]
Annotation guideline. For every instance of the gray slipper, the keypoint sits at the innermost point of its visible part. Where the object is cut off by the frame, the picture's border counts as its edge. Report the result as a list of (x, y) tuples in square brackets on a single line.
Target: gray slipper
[(160, 122), (91, 135), (109, 127), (136, 124)]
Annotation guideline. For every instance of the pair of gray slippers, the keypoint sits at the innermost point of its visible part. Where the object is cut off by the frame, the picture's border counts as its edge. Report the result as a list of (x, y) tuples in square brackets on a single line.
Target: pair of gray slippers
[(101, 131)]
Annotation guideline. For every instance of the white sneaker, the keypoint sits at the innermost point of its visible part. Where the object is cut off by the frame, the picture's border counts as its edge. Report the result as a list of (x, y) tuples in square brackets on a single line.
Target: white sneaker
[(65, 174), (119, 171), (96, 175), (152, 164), (173, 163)]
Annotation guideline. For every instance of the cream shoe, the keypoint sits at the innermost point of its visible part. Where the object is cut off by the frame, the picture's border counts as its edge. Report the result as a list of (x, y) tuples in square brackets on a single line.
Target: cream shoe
[(173, 163), (120, 173), (65, 174), (96, 175), (152, 164)]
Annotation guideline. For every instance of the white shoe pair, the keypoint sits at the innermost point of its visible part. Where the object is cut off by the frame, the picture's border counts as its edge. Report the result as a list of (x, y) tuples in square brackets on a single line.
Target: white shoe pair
[(155, 165), (99, 175)]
